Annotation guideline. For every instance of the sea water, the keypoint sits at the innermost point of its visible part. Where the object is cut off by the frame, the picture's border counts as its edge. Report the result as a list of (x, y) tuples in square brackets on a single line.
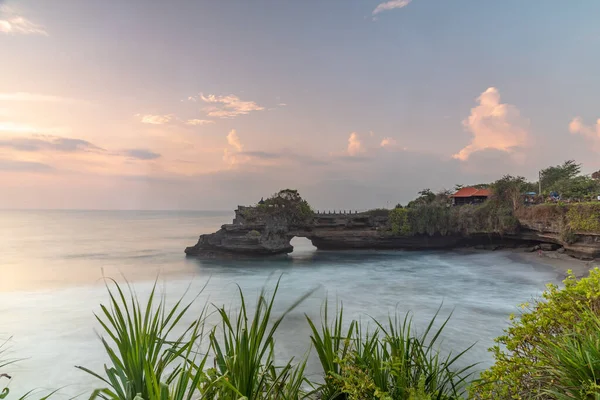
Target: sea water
[(52, 265)]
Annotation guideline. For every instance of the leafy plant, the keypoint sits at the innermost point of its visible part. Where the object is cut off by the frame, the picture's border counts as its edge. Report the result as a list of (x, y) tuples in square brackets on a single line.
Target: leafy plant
[(519, 360), (584, 217), (398, 219), (570, 364), (392, 362)]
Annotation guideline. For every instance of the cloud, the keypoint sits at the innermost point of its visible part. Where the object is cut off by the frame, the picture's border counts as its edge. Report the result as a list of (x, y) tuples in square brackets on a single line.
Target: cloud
[(388, 142), (390, 5), (592, 133), (14, 24), (284, 156), (229, 106), (232, 156), (52, 143), (155, 119), (23, 166), (15, 127), (142, 154), (494, 126), (196, 122), (355, 146), (234, 140), (34, 97), (264, 155)]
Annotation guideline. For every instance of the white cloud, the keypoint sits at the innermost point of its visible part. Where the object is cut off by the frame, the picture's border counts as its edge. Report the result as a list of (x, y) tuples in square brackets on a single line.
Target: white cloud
[(155, 119), (33, 97), (229, 106), (231, 156), (234, 140), (196, 122), (577, 127), (390, 5), (355, 146), (14, 24), (494, 126)]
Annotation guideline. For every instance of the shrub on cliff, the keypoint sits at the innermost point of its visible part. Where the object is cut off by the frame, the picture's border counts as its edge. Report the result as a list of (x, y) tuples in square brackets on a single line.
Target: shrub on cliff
[(584, 217), (399, 221), (521, 360)]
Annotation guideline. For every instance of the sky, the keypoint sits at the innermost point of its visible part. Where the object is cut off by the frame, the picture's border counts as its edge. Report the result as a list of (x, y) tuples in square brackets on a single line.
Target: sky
[(207, 104)]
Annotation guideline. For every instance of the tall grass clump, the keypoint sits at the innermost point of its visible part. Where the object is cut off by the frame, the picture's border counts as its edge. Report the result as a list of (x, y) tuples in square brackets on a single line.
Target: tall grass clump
[(154, 355), (332, 343), (150, 358), (244, 352), (4, 362), (391, 362), (570, 365)]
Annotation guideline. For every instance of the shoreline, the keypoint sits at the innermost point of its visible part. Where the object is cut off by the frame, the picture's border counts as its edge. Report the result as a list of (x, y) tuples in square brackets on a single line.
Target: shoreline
[(560, 263)]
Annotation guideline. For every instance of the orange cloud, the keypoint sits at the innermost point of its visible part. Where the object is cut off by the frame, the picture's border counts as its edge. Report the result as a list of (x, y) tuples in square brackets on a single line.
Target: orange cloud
[(196, 122), (388, 142), (231, 156), (228, 106), (155, 119), (355, 146), (494, 126), (592, 133)]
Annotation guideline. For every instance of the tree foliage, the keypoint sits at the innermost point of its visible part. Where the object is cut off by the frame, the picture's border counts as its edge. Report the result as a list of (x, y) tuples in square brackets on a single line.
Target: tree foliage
[(551, 175), (579, 187)]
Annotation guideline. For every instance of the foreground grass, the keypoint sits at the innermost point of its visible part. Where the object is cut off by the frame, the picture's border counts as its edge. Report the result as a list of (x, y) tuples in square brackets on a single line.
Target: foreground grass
[(551, 351), (149, 361)]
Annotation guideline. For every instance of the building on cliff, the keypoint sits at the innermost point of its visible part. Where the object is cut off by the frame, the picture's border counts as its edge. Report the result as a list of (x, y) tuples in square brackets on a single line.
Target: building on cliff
[(470, 195)]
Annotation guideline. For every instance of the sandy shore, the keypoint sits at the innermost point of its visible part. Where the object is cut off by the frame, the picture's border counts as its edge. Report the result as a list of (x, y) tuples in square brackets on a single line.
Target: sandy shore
[(560, 262)]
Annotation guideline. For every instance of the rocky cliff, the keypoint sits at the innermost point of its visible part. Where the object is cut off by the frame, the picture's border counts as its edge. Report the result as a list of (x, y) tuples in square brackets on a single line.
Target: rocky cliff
[(268, 228)]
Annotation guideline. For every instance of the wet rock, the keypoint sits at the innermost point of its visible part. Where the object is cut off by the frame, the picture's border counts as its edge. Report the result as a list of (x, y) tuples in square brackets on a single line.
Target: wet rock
[(549, 246)]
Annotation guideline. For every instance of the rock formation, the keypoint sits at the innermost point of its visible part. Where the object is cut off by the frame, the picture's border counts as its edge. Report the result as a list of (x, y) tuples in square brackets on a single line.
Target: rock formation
[(267, 229)]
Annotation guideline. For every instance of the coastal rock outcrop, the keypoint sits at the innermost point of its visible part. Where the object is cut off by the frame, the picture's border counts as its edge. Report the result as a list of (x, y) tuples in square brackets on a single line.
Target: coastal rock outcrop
[(267, 229)]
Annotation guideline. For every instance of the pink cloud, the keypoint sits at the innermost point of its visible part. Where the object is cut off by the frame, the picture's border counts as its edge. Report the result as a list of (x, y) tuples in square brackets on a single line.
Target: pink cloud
[(592, 133), (494, 126), (355, 146)]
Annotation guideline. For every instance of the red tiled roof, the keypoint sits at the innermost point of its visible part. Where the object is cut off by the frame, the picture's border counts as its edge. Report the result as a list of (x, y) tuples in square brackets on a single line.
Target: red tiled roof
[(471, 191)]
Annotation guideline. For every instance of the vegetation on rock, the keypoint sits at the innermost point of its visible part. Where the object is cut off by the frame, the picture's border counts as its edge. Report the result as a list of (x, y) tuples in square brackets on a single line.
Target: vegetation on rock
[(287, 204)]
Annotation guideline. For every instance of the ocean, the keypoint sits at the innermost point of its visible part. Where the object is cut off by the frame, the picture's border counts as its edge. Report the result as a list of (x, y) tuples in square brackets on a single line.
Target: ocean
[(52, 265)]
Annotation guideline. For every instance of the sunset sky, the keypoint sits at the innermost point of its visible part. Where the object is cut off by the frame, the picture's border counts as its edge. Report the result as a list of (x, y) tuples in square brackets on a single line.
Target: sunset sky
[(206, 104)]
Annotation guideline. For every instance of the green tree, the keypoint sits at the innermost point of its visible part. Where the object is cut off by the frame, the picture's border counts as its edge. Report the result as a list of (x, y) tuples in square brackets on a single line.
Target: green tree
[(551, 175), (508, 189), (579, 187)]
